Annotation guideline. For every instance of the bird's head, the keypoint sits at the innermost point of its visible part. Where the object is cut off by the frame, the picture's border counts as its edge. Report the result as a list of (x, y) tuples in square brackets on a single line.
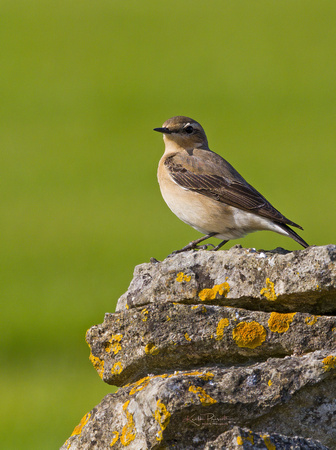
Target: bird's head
[(183, 131)]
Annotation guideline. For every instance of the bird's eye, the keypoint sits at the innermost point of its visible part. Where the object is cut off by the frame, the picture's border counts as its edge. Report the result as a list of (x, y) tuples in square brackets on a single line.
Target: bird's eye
[(189, 129)]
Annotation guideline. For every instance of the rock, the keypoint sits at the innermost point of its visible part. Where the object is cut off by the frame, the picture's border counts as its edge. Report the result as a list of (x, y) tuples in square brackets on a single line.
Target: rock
[(244, 439), (157, 338), (303, 280), (188, 409), (216, 350)]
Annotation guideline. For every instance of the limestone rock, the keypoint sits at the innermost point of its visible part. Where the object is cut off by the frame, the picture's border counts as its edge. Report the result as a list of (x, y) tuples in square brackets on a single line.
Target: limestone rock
[(216, 350), (157, 338), (303, 280), (244, 439), (185, 410)]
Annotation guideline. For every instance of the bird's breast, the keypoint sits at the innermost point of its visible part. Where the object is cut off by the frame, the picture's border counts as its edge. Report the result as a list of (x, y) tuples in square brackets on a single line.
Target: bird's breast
[(202, 213)]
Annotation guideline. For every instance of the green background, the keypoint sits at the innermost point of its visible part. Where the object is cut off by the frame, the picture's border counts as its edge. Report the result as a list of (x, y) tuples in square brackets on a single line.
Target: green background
[(83, 83)]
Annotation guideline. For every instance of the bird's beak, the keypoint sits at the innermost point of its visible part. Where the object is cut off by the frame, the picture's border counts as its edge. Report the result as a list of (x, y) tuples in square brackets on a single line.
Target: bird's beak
[(163, 130)]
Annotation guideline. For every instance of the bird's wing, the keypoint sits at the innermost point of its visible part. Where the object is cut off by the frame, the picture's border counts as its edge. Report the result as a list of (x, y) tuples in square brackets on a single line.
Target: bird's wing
[(225, 185)]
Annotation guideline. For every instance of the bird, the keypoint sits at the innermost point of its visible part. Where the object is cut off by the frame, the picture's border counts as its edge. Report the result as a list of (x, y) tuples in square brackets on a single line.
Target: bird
[(204, 190)]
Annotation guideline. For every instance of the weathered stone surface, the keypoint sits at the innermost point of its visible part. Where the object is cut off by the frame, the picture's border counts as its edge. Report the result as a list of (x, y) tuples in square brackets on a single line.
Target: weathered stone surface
[(219, 346), (244, 439), (188, 409), (303, 280), (160, 337)]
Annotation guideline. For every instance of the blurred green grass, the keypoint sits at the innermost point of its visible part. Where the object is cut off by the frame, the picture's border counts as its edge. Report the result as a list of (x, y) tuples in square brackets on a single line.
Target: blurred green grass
[(82, 85)]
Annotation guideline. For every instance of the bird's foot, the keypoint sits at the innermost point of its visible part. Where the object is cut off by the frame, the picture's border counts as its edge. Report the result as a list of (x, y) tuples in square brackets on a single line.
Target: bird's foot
[(204, 247), (193, 245)]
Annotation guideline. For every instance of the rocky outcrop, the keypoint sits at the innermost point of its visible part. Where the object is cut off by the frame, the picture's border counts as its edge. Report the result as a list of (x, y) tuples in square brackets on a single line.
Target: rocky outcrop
[(228, 349)]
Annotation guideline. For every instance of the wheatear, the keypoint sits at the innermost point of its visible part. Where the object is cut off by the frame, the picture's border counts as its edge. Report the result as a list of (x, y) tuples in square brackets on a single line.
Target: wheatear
[(206, 192)]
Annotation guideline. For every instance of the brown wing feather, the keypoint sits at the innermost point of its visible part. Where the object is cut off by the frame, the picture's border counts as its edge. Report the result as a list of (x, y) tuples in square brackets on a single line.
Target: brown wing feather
[(234, 192)]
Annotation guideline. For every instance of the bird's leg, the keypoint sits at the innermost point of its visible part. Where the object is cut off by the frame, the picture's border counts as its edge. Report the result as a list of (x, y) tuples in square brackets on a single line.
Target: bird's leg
[(193, 244), (219, 246)]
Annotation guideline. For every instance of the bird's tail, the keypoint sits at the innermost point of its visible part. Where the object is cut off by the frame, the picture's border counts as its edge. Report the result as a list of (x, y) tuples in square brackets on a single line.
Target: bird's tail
[(291, 233)]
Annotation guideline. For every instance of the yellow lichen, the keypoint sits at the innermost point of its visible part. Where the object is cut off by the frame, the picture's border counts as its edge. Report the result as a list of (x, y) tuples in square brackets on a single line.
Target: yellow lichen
[(128, 432), (126, 306), (250, 438), (211, 294), (194, 307), (311, 320), (240, 440), (78, 429), (117, 368), (98, 364), (268, 442), (269, 383), (279, 323), (144, 313), (139, 385), (162, 416), (269, 291), (220, 328), (114, 440), (205, 399), (204, 376), (182, 277), (114, 344), (329, 363), (151, 349), (187, 337), (249, 334), (168, 318), (204, 310)]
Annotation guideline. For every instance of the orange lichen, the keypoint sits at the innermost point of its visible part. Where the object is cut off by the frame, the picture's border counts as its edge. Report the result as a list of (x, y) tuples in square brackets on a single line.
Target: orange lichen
[(187, 337), (211, 294), (162, 416), (311, 320), (182, 277), (114, 344), (279, 323), (240, 440), (128, 432), (269, 291), (205, 399), (117, 368), (268, 442), (114, 440), (220, 328), (144, 313), (249, 334), (151, 349), (98, 364), (329, 363), (78, 429)]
